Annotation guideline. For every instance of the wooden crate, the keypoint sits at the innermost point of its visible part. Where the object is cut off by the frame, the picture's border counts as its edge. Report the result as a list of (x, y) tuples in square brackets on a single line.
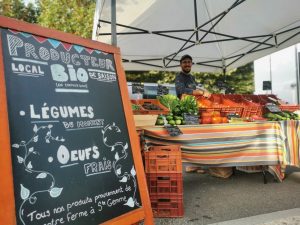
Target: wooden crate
[(144, 120)]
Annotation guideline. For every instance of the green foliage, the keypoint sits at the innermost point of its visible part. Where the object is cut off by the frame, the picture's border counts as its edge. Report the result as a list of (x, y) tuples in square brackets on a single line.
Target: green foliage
[(170, 101), (188, 104), (72, 16), (17, 9), (76, 16), (240, 80), (149, 76)]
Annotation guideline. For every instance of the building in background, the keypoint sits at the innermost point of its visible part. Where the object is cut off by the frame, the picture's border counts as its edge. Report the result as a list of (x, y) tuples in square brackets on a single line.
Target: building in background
[(282, 70)]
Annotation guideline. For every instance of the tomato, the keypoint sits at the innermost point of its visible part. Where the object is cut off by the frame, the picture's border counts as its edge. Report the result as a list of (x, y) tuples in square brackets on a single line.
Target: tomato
[(224, 120), (206, 119), (206, 114), (216, 113), (216, 119)]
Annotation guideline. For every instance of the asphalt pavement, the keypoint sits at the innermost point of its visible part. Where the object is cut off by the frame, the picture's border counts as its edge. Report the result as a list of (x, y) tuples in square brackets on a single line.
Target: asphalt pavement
[(242, 199)]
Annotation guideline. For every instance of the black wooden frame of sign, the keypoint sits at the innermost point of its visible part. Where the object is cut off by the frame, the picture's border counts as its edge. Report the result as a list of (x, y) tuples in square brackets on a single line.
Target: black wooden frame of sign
[(7, 195)]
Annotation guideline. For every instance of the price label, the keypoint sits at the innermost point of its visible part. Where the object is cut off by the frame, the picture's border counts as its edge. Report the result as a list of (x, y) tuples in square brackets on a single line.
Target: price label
[(191, 119), (273, 108), (173, 130)]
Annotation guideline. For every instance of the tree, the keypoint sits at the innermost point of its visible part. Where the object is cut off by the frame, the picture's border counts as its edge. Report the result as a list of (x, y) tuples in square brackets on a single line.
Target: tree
[(72, 16), (240, 80), (17, 9)]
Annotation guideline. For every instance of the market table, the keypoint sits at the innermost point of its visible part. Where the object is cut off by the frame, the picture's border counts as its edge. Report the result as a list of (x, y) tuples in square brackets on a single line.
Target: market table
[(271, 144)]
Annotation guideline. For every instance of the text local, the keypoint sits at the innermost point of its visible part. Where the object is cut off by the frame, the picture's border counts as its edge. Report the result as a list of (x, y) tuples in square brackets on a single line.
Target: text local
[(17, 45)]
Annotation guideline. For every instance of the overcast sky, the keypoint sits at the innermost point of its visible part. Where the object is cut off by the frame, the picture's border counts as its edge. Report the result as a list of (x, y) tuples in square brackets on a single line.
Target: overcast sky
[(27, 1)]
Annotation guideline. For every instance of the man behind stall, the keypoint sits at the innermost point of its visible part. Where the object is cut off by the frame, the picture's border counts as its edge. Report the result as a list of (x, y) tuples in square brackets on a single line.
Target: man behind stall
[(185, 83)]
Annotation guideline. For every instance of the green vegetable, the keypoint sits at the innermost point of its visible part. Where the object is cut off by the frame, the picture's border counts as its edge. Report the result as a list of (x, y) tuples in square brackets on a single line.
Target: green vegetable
[(135, 107), (170, 101), (188, 104), (172, 122), (159, 122), (285, 115), (177, 122), (169, 118)]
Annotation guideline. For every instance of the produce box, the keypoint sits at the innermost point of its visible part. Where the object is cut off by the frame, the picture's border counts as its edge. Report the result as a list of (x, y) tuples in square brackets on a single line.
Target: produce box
[(138, 109), (290, 108), (217, 103), (249, 108), (167, 205), (163, 183), (150, 106), (224, 111), (163, 159), (144, 120)]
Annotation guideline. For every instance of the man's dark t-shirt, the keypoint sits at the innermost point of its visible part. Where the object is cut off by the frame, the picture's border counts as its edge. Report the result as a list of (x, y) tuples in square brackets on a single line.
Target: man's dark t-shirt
[(185, 84)]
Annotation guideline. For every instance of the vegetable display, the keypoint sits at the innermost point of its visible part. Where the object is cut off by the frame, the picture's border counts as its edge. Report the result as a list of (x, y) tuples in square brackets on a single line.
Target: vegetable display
[(285, 115), (170, 101), (188, 104)]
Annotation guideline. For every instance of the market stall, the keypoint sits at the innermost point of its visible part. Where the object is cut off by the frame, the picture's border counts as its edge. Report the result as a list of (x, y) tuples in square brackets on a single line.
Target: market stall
[(228, 131), (274, 144)]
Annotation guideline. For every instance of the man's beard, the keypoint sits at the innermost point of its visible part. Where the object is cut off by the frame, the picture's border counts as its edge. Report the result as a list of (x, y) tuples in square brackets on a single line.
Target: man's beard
[(186, 70)]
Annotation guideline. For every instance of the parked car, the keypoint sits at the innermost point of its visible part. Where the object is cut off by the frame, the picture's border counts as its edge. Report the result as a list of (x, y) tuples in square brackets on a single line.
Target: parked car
[(150, 90)]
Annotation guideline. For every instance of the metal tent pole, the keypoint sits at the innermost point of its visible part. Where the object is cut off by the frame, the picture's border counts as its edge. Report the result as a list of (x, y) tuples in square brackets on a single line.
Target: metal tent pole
[(96, 19), (270, 61), (113, 23), (297, 74)]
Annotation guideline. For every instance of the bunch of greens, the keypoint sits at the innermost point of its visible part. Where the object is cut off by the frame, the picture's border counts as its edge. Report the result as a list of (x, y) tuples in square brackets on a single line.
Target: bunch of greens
[(170, 101), (135, 107), (188, 104)]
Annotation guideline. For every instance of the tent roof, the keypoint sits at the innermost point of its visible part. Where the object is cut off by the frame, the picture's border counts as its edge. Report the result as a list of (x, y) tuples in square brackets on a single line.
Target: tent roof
[(218, 34)]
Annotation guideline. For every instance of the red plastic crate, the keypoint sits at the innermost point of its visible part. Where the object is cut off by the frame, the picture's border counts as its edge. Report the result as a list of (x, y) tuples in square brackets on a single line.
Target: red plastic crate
[(141, 102), (255, 98), (141, 111), (167, 205), (252, 110), (163, 183), (223, 110), (266, 98), (249, 108), (224, 100), (220, 104), (163, 159), (290, 108)]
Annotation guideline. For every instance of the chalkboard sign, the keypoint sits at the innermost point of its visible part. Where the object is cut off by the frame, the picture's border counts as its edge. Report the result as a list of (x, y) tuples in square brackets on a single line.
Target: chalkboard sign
[(138, 88), (162, 90), (191, 119), (173, 130), (70, 134), (272, 107)]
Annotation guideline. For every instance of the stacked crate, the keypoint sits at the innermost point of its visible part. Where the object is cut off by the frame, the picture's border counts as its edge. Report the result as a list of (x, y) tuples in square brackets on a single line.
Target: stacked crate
[(163, 167)]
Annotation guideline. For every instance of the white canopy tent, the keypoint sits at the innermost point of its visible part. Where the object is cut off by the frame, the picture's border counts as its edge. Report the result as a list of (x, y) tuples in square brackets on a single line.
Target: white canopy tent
[(218, 34)]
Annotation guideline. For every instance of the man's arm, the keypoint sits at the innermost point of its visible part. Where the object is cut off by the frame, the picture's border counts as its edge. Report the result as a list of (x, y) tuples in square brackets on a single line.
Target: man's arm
[(203, 92)]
